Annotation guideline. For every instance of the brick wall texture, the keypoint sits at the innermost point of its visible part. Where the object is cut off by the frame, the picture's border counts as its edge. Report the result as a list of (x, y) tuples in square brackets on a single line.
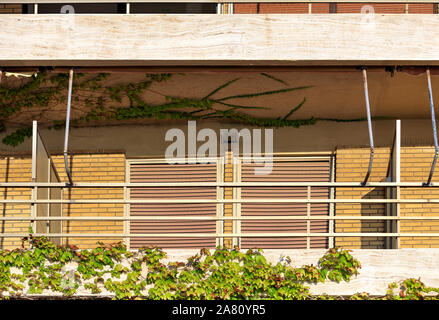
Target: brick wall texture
[(415, 167), (351, 165), (14, 169), (85, 168)]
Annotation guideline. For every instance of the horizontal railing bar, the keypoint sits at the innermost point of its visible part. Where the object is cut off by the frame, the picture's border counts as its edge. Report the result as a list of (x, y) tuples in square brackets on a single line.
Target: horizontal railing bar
[(29, 218), (213, 184), (213, 1), (213, 235), (218, 201)]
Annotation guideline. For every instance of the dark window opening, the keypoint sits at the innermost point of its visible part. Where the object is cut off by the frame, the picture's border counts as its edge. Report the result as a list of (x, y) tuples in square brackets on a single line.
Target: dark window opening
[(108, 8), (173, 8), (78, 8)]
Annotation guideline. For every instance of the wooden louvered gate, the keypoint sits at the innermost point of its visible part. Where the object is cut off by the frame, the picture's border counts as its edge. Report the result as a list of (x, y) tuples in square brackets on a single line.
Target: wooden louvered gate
[(285, 170), (160, 171)]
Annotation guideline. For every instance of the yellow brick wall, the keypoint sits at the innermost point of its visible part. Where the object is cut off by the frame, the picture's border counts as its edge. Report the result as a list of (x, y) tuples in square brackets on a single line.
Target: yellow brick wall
[(415, 167), (85, 168), (14, 169), (93, 168), (351, 165)]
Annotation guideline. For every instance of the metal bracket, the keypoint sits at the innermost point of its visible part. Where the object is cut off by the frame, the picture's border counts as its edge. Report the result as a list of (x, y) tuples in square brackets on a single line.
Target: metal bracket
[(369, 124), (433, 121), (66, 138)]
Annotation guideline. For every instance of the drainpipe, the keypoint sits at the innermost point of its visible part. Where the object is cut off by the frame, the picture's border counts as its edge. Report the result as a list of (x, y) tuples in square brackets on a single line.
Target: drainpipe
[(433, 121), (369, 124), (66, 138)]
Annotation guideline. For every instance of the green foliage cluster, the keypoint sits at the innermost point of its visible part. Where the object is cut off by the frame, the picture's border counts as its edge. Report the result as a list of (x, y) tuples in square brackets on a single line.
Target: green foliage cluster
[(93, 101), (221, 274), (338, 265), (411, 289), (232, 274)]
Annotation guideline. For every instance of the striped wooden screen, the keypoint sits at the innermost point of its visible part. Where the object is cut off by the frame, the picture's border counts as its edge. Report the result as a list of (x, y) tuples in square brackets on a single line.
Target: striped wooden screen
[(284, 171), (162, 172)]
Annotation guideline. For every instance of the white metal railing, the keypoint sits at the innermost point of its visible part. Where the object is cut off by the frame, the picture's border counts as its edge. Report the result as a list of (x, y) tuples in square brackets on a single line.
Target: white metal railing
[(215, 184), (306, 217), (43, 179)]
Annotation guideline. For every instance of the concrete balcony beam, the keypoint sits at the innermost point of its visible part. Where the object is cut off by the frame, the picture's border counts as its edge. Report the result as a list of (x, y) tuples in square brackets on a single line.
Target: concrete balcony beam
[(219, 40)]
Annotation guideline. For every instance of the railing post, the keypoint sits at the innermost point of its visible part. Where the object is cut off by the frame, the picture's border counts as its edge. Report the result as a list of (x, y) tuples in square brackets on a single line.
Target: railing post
[(308, 222), (394, 175), (34, 175), (398, 221), (331, 223), (398, 179), (396, 243), (126, 223)]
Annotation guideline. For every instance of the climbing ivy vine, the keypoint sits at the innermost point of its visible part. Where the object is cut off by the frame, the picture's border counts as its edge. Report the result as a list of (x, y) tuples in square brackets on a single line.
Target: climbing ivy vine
[(94, 101), (40, 267)]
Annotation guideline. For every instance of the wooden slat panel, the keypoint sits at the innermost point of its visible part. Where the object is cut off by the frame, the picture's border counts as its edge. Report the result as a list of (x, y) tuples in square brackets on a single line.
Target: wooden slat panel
[(285, 171), (377, 7), (159, 172)]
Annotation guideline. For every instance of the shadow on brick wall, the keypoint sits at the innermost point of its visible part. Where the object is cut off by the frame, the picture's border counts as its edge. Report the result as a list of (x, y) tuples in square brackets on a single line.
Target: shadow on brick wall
[(373, 226)]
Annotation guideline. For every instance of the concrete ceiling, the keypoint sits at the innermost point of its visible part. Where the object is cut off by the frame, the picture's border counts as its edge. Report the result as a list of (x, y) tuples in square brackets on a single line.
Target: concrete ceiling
[(336, 95)]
